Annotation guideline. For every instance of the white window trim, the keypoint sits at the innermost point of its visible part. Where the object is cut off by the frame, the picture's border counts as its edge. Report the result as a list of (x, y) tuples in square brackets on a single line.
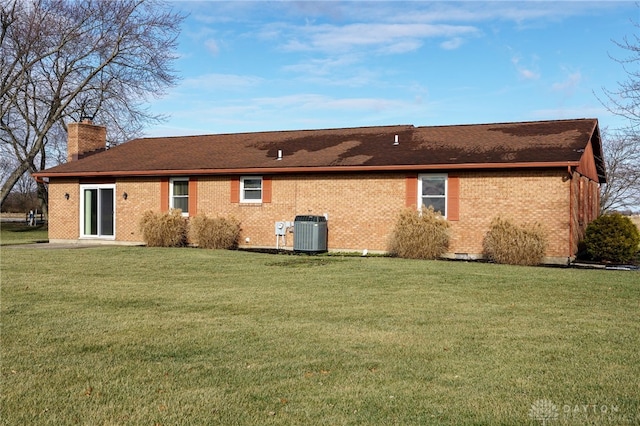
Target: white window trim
[(97, 186), (446, 189), (171, 182), (251, 201)]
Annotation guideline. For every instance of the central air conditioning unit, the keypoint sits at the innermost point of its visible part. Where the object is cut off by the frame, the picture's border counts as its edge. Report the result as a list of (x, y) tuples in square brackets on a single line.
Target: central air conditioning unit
[(310, 234)]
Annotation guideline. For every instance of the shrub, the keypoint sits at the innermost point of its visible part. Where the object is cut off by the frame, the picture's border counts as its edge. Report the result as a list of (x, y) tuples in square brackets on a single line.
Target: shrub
[(420, 234), (612, 238), (214, 233), (514, 244), (164, 229)]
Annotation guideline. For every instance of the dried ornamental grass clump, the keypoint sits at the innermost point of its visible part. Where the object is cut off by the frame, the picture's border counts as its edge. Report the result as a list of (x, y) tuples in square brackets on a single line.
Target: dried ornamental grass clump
[(514, 244), (420, 234), (214, 233), (164, 229)]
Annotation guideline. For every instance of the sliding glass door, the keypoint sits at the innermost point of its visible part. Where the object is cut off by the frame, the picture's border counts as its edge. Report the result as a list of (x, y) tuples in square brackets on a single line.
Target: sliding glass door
[(97, 211)]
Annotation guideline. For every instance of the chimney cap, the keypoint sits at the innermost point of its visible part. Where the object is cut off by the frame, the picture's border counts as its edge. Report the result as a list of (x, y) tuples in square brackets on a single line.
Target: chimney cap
[(86, 118)]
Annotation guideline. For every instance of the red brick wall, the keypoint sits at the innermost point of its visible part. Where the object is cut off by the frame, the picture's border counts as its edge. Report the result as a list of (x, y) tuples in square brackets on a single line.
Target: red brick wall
[(64, 215), (142, 194), (524, 197), (361, 208)]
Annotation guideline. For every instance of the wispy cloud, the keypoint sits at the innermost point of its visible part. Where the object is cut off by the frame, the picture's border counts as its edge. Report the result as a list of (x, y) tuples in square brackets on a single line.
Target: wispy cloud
[(276, 113), (222, 82), (385, 38), (289, 64), (452, 44), (321, 102), (323, 66), (526, 73), (352, 78), (382, 27), (586, 111), (473, 11), (569, 85), (212, 46)]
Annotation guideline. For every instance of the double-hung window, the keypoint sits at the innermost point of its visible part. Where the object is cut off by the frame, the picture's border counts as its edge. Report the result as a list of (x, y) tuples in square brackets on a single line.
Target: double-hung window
[(432, 192), (179, 194), (251, 189)]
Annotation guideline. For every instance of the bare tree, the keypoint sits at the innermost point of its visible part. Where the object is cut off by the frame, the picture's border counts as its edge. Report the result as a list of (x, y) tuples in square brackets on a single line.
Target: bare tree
[(63, 60), (622, 147), (25, 192), (625, 100), (622, 160)]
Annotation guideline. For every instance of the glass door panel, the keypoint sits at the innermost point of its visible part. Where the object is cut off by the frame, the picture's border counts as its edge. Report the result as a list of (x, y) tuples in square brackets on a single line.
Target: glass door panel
[(90, 212), (106, 211)]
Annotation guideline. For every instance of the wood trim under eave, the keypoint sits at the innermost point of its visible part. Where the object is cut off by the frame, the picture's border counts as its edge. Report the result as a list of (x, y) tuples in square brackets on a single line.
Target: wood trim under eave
[(321, 169)]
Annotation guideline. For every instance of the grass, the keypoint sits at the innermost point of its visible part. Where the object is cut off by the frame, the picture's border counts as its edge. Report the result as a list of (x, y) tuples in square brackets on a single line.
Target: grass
[(20, 233), (155, 336)]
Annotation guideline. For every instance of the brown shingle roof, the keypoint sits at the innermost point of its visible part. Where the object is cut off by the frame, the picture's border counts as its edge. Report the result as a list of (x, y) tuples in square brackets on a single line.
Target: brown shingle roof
[(526, 144)]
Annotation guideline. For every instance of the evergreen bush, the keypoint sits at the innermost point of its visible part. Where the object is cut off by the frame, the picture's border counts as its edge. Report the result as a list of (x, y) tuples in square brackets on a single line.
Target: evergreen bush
[(612, 238), (420, 234), (509, 243)]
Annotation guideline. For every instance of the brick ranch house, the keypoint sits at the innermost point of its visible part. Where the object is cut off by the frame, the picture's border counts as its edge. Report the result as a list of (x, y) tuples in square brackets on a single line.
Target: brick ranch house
[(358, 178)]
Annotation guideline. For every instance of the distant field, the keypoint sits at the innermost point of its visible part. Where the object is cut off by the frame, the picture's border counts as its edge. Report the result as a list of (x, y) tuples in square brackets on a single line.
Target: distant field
[(20, 233), (134, 335), (12, 215)]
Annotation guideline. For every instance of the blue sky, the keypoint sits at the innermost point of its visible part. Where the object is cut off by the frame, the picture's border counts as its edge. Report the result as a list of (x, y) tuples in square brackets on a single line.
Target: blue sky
[(258, 66)]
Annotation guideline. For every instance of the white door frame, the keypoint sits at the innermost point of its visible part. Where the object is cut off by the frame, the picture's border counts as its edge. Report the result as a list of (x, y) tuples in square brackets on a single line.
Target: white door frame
[(98, 187)]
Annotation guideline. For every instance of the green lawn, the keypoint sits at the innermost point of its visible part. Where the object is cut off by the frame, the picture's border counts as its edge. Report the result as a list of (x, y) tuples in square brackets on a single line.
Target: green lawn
[(141, 336), (20, 233)]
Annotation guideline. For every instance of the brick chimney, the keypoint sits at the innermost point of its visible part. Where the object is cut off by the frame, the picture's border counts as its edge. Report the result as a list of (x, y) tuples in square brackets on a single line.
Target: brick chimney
[(85, 139)]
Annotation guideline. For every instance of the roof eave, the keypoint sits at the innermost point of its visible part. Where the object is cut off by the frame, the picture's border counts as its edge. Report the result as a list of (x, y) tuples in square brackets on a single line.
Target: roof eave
[(309, 169)]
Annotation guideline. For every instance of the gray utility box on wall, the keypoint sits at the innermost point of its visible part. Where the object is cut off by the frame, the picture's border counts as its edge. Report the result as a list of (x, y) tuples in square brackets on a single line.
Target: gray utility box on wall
[(310, 233)]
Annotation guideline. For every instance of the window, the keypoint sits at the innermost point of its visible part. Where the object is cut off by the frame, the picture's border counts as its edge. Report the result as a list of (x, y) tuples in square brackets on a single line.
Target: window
[(179, 195), (251, 189), (432, 192)]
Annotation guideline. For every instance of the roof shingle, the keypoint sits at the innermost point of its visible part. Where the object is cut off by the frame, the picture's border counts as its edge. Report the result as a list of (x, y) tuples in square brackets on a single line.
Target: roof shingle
[(516, 144)]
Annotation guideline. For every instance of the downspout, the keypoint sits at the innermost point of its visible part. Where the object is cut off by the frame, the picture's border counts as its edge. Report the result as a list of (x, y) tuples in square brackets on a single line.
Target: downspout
[(570, 215)]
